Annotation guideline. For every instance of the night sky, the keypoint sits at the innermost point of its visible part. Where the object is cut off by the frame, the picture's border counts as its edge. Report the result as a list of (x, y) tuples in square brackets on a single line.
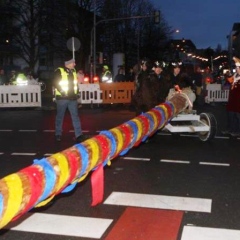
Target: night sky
[(206, 22)]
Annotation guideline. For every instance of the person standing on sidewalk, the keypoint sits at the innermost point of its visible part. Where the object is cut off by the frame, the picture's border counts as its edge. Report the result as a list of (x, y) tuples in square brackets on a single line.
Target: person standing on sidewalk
[(66, 94)]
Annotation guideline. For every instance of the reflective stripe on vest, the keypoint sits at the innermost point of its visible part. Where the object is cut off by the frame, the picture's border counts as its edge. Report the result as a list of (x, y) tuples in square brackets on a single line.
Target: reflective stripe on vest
[(64, 82), (107, 76), (21, 79)]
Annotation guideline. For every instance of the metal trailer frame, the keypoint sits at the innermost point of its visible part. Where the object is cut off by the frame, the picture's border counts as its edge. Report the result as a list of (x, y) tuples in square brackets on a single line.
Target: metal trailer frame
[(205, 124)]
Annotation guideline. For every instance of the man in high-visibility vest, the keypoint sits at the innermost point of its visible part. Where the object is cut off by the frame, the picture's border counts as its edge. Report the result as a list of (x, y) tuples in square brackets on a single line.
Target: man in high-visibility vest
[(19, 80), (106, 75), (66, 95)]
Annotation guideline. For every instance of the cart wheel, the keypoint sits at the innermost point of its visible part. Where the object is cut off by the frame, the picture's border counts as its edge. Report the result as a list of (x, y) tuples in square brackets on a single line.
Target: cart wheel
[(211, 121)]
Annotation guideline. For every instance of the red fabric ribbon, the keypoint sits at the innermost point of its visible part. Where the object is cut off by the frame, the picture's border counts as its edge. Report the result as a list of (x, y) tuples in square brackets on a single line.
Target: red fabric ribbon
[(97, 181)]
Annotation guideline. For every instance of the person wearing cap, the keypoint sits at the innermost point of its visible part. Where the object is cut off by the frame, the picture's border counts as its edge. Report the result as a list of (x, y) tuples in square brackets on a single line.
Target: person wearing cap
[(233, 104), (181, 82), (120, 77), (176, 73), (106, 75), (160, 81), (144, 72), (66, 95), (145, 96)]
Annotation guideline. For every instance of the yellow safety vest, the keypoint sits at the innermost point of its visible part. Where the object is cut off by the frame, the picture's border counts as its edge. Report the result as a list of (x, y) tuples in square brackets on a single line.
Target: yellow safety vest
[(64, 82), (21, 80), (107, 76)]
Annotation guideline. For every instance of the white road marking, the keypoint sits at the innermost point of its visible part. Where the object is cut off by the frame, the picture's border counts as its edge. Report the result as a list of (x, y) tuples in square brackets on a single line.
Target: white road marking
[(160, 202), (6, 130), (174, 161), (23, 154), (200, 233), (48, 154), (137, 159), (27, 130), (214, 164), (63, 225), (1, 153)]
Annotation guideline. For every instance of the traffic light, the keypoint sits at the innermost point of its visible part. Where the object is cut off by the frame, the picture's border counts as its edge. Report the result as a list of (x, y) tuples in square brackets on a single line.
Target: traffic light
[(157, 17)]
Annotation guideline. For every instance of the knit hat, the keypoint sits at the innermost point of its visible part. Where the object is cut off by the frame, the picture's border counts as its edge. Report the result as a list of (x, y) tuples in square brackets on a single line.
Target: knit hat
[(70, 62)]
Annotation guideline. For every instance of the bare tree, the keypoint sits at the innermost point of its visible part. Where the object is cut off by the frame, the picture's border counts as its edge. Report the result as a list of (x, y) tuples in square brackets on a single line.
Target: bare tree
[(41, 29), (26, 29), (138, 37)]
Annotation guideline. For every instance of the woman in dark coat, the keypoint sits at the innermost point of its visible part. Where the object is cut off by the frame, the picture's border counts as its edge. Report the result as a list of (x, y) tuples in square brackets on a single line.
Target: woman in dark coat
[(144, 98), (160, 82)]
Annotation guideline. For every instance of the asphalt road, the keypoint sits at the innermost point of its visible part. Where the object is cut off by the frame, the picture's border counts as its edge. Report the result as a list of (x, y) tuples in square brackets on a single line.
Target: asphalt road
[(196, 182)]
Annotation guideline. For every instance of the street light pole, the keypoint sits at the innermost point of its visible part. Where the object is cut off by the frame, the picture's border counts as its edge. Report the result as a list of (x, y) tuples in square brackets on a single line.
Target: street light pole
[(93, 35), (94, 39)]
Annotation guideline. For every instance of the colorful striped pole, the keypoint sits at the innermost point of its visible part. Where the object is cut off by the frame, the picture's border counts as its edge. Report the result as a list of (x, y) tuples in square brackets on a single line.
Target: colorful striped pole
[(36, 185)]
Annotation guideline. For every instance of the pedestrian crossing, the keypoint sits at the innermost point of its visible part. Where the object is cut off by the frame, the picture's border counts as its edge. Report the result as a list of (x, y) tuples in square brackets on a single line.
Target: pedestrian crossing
[(82, 227), (94, 228)]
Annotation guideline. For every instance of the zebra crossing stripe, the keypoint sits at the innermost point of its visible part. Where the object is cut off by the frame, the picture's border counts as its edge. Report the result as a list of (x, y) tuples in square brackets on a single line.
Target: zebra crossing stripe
[(200, 233), (62, 225), (159, 202)]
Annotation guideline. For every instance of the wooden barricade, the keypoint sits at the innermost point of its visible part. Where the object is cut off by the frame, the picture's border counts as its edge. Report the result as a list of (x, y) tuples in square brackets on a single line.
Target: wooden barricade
[(117, 92)]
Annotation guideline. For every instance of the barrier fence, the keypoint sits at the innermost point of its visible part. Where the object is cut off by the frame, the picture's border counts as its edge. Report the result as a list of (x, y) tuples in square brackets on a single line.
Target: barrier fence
[(20, 96), (36, 185), (106, 93), (102, 93), (117, 92), (215, 93)]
